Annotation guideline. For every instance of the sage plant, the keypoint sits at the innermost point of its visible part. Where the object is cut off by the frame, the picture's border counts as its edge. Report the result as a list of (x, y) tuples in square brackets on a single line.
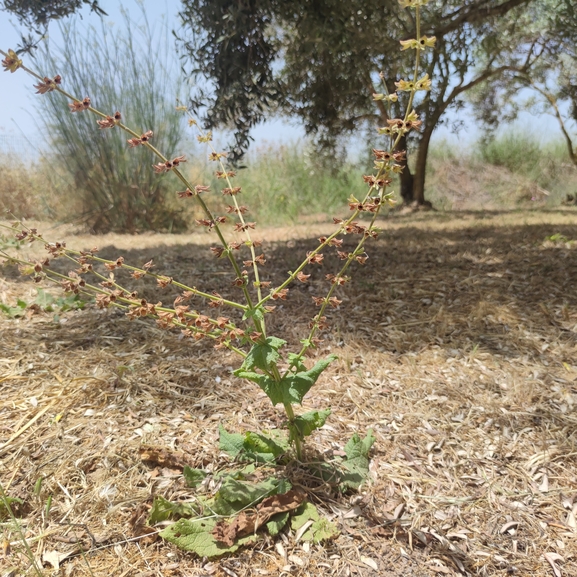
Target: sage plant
[(283, 376)]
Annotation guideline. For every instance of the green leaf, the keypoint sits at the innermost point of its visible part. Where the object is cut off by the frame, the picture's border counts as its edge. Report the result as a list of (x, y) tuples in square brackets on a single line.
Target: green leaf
[(231, 443), (234, 495), (8, 502), (357, 462), (296, 361), (263, 355), (321, 529), (292, 388), (257, 314), (277, 523), (195, 535), (193, 477), (253, 446), (306, 423), (44, 300), (13, 312), (163, 509)]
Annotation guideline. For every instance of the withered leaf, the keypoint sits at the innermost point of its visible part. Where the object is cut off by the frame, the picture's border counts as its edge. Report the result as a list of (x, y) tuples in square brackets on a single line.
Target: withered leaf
[(248, 522), (163, 457)]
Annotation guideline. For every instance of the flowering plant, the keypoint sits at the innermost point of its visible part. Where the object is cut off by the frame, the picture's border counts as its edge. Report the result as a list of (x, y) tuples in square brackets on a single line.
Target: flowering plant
[(284, 377)]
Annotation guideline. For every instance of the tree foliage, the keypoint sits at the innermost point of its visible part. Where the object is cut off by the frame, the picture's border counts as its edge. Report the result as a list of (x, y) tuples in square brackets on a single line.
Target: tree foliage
[(36, 14), (320, 60), (543, 60)]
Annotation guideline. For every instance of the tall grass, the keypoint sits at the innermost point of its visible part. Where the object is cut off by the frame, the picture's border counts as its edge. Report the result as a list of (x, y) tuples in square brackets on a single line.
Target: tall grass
[(283, 183), (113, 188)]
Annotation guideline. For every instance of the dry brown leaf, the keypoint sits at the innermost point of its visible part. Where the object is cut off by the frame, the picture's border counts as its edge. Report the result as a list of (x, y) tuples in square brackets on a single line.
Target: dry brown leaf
[(249, 522), (163, 457)]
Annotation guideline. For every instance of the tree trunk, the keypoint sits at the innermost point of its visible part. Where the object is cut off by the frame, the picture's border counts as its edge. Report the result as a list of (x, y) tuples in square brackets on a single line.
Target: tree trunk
[(421, 168), (407, 179)]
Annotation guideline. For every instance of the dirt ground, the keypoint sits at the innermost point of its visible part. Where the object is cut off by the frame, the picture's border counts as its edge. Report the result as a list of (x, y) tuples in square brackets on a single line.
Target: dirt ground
[(457, 345)]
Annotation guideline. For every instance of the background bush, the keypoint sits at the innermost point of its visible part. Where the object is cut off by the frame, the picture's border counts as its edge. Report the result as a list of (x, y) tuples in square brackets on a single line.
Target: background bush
[(108, 185)]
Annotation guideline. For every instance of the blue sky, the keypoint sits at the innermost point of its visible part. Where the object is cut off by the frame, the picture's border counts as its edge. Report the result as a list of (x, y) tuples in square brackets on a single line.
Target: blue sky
[(17, 107)]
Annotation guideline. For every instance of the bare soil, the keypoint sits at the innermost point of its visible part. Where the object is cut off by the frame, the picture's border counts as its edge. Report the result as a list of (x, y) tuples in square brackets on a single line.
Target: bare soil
[(457, 345)]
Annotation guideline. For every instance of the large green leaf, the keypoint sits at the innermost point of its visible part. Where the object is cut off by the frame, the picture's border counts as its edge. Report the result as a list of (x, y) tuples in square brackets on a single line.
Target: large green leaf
[(292, 388), (263, 355), (357, 462), (195, 535), (193, 477), (231, 443), (321, 529), (253, 446)]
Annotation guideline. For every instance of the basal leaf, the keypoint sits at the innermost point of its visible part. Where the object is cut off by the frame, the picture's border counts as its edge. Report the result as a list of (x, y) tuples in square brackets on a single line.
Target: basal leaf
[(253, 446), (195, 535), (12, 312), (241, 494), (193, 477), (231, 443), (276, 523), (321, 529), (263, 449), (309, 422), (44, 299), (357, 462), (163, 509)]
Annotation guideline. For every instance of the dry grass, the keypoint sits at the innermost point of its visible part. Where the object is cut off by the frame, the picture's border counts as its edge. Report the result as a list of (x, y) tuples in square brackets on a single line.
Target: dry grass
[(457, 344)]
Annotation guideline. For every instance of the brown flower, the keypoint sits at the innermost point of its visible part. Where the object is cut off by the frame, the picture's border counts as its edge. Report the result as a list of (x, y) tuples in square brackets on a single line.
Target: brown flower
[(133, 142), (382, 154), (334, 302), (79, 106), (239, 227), (162, 167), (178, 160), (220, 174), (314, 258), (280, 294), (47, 85), (108, 122), (205, 222), (231, 191), (218, 251), (318, 300), (302, 276)]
